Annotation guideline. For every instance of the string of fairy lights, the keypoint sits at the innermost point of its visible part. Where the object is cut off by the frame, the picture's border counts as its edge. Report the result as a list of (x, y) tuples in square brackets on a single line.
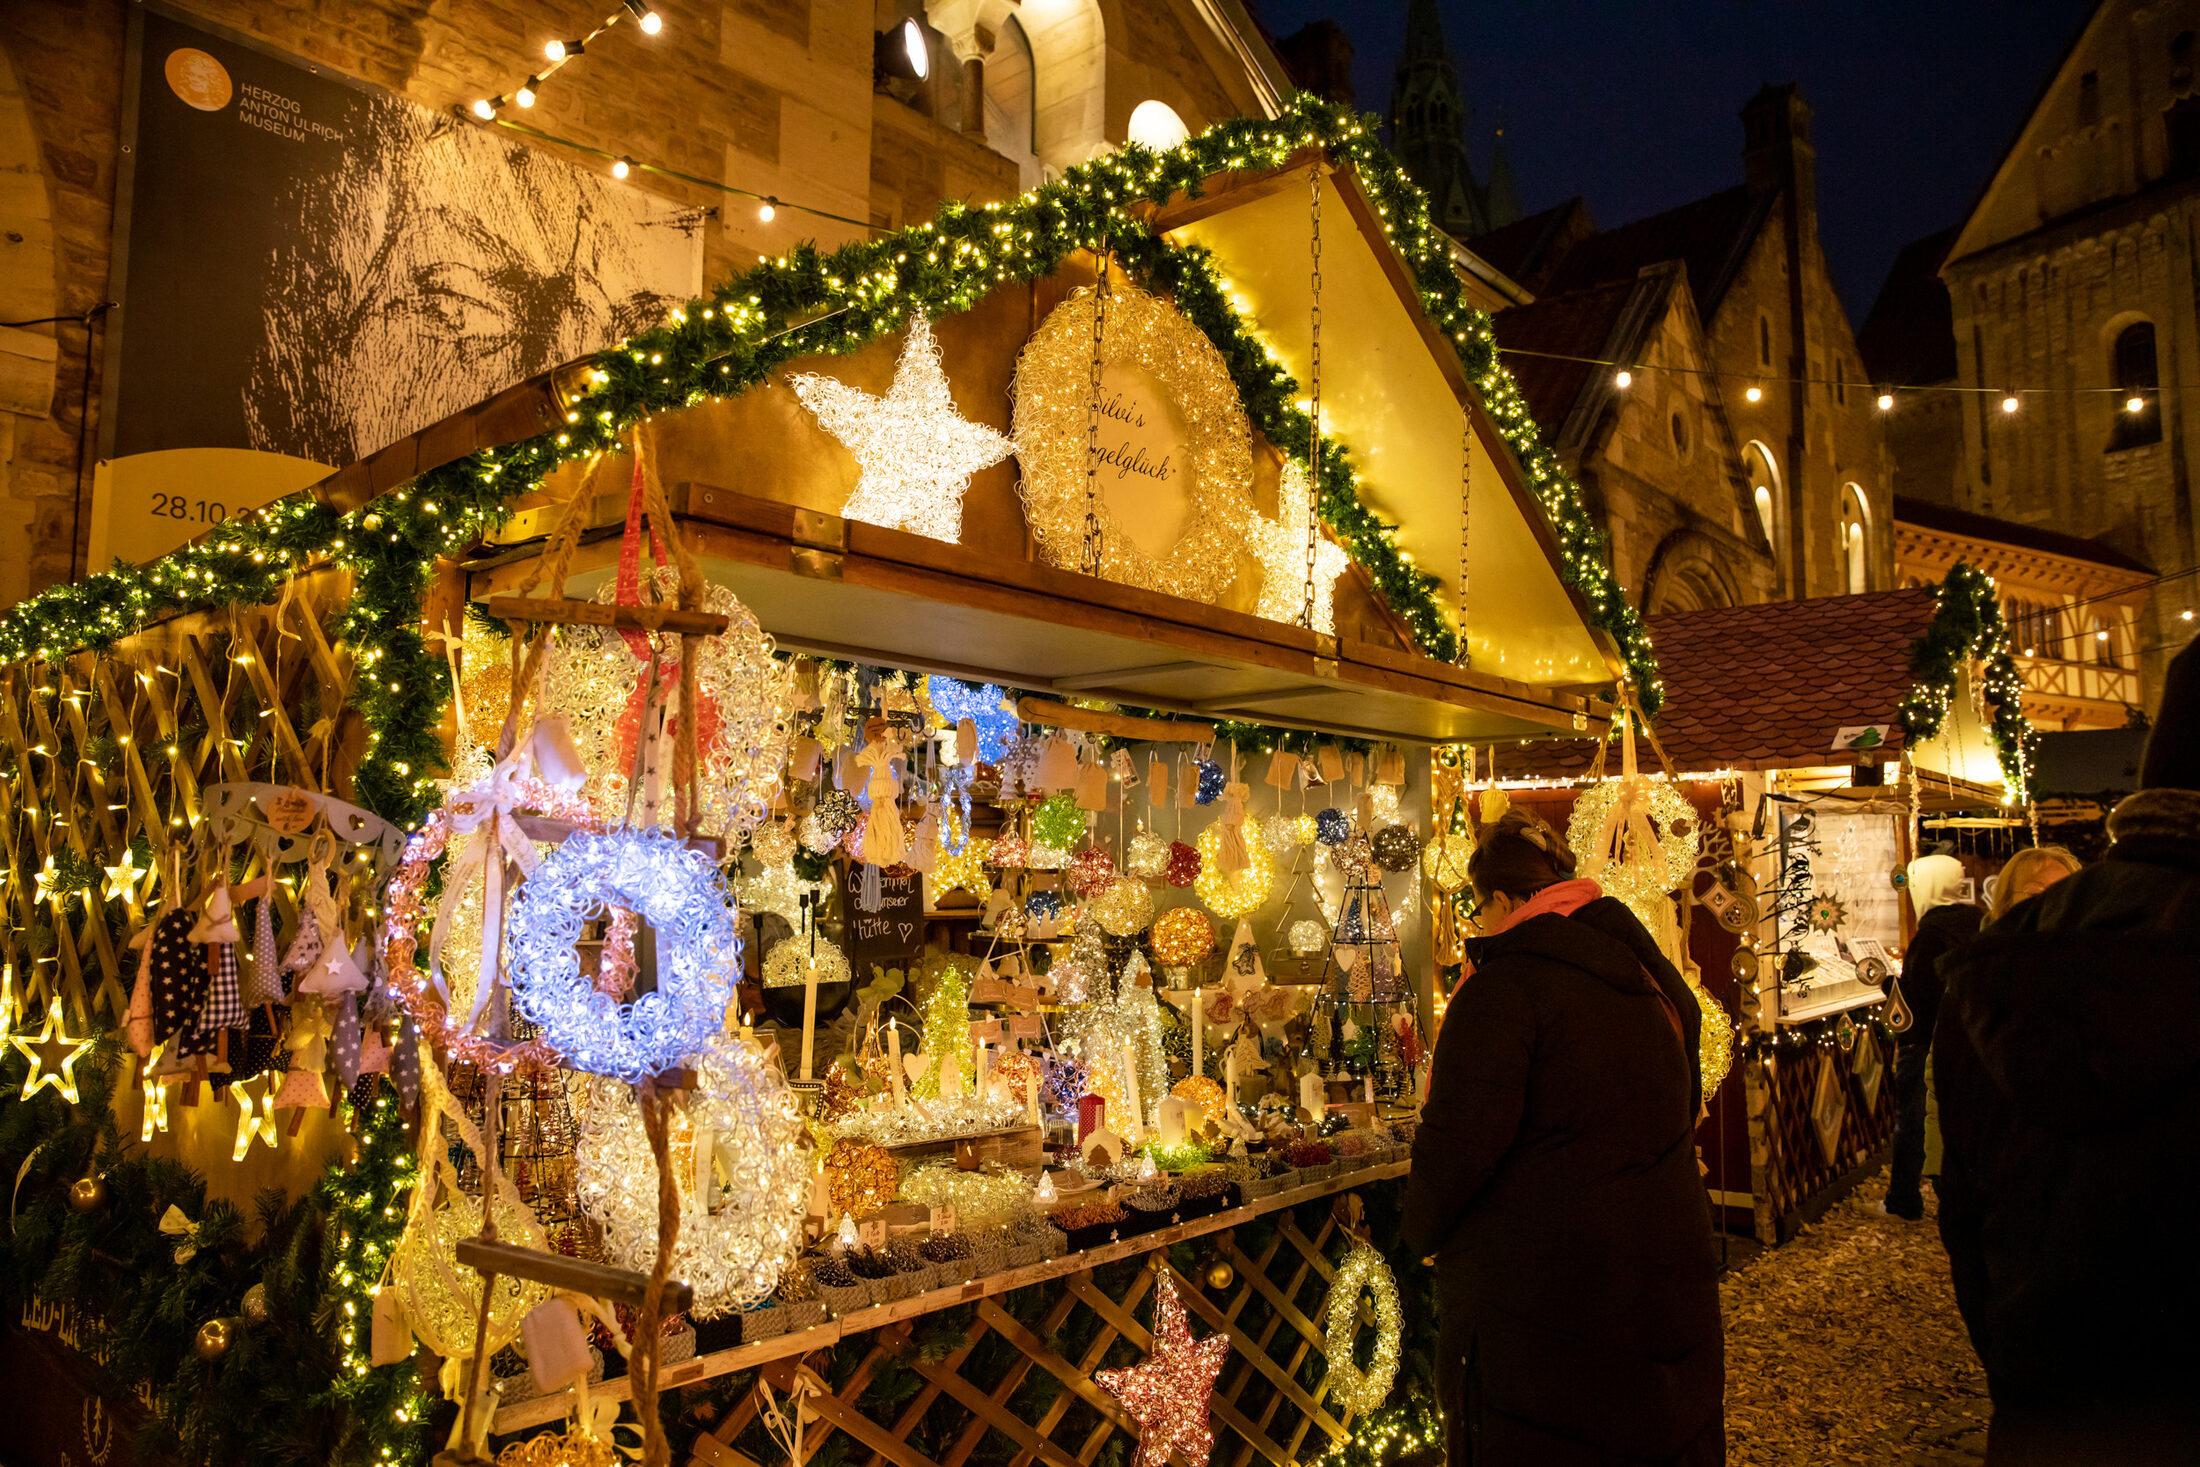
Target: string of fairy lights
[(557, 55)]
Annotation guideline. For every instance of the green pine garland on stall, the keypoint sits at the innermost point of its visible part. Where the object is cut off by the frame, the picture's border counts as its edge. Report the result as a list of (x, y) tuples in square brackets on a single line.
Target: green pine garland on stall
[(1967, 624)]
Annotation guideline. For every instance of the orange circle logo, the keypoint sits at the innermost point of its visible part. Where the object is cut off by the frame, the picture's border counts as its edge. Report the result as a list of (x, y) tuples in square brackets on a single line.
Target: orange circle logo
[(199, 79)]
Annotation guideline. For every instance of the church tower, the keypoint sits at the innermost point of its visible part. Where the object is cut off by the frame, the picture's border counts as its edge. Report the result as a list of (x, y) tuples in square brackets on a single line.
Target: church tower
[(1428, 121)]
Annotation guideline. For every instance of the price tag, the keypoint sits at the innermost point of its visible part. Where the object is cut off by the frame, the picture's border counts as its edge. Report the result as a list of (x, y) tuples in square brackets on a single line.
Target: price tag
[(291, 811), (943, 1218), (989, 1031), (1026, 1026), (989, 990), (871, 1232)]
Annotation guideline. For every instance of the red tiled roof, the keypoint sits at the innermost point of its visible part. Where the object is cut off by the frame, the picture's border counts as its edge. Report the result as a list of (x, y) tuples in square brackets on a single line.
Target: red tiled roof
[(1578, 324), (1768, 686)]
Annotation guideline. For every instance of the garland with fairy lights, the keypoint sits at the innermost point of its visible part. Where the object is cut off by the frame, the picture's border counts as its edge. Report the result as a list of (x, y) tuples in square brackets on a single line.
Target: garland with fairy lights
[(1967, 624), (135, 1304)]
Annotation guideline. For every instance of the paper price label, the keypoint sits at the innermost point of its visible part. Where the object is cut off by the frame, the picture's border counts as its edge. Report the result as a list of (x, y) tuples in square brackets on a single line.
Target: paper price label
[(943, 1218), (871, 1232)]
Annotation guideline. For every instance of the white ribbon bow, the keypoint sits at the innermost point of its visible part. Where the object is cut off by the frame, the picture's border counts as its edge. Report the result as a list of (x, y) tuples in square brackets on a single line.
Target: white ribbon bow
[(482, 816), (176, 1225)]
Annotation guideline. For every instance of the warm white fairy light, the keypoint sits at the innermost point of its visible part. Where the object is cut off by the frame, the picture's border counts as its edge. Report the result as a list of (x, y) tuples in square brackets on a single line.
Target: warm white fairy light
[(742, 1171), (916, 451), (1610, 853), (787, 965), (1280, 547), (1231, 894), (778, 890)]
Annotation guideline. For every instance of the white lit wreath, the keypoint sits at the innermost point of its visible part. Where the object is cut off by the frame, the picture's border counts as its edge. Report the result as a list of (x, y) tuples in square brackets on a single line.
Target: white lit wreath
[(743, 1174), (1351, 1388), (787, 964), (1231, 894), (673, 887)]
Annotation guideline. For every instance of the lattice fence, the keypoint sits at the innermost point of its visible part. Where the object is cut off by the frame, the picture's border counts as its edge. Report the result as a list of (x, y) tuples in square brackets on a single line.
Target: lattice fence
[(108, 754), (1007, 1379), (1798, 1167)]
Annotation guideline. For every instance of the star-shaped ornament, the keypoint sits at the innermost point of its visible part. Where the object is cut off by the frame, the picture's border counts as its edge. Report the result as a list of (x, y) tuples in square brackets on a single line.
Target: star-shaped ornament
[(49, 881), (122, 879), (916, 451), (1167, 1396), (53, 1054), (257, 1120), (1280, 546), (155, 1116)]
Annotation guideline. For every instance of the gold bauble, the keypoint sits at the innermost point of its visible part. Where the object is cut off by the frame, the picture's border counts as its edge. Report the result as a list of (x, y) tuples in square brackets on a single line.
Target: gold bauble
[(255, 1304), (1182, 936), (212, 1340), (88, 1194), (1220, 1275), (861, 1176)]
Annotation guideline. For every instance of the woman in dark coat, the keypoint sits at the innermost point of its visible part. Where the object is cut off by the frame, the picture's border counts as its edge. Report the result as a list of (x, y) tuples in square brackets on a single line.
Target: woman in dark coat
[(1555, 1183)]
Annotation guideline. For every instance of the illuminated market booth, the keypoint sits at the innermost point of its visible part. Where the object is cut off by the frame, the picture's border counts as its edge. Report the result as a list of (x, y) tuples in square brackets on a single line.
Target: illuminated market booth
[(902, 829), (1810, 745)]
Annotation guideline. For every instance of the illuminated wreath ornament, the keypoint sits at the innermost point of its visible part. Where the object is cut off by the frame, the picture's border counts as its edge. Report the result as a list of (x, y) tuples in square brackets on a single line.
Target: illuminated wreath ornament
[(673, 887), (1636, 837), (742, 1171), (1053, 396), (1351, 1388), (483, 817), (1231, 894)]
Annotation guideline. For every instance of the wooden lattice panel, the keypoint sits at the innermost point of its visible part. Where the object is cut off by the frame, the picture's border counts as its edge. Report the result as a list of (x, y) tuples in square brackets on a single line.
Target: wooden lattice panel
[(1798, 1168), (108, 753)]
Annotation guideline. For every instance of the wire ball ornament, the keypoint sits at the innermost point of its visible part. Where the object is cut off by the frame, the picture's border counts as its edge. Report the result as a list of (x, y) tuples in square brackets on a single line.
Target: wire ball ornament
[(740, 1165), (1396, 848), (421, 994), (1182, 936), (1231, 894), (1183, 865), (745, 695), (1444, 861), (1307, 937), (861, 1176), (787, 965), (674, 888), (1091, 871), (1147, 856), (1607, 831), (1351, 1388), (1124, 908), (1331, 826)]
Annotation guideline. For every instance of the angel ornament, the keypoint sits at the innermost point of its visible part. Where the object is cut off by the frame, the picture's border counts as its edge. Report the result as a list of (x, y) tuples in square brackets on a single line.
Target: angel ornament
[(884, 842)]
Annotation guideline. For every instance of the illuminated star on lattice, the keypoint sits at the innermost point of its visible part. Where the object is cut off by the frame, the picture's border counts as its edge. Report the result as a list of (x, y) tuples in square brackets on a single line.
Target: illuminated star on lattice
[(155, 1117), (122, 879), (1280, 546), (1167, 1396), (49, 881), (257, 1121), (53, 1054), (916, 451)]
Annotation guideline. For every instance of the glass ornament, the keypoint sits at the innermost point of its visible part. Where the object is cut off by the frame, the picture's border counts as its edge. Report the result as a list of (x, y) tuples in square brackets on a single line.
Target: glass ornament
[(1444, 861), (1062, 1084), (1331, 826), (670, 885), (1091, 871), (1059, 822), (1231, 894), (1182, 867), (787, 965), (1123, 908), (1182, 936), (742, 1170), (1395, 848), (1147, 856), (1308, 937), (1212, 779)]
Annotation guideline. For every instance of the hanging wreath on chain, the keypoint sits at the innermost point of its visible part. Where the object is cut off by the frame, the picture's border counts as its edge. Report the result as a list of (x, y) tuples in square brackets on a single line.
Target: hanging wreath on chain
[(1351, 1388)]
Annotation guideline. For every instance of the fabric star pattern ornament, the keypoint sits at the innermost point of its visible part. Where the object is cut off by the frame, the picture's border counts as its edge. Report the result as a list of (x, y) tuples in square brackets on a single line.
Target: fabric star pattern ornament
[(917, 453), (1280, 545), (1167, 1396)]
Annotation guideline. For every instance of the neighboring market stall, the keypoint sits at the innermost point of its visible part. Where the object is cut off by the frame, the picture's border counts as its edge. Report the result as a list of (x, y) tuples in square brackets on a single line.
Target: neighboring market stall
[(1810, 740), (755, 867)]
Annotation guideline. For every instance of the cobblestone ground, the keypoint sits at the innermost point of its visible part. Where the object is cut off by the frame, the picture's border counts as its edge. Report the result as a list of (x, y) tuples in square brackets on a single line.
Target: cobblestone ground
[(1845, 1347)]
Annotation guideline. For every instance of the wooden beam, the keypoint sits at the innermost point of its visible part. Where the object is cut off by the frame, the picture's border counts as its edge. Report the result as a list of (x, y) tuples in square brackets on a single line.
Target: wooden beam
[(1122, 726), (599, 1280), (561, 612)]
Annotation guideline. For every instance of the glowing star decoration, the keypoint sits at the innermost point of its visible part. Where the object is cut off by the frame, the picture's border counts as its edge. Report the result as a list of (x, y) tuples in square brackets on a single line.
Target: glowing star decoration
[(256, 1120), (777, 889), (155, 1115), (1280, 546), (916, 451), (963, 870), (49, 881), (1167, 1395), (53, 1054), (122, 879)]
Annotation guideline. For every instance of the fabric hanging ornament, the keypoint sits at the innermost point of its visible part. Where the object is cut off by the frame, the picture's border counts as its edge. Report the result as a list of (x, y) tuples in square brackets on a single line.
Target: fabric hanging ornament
[(1283, 768), (340, 970), (178, 967), (405, 1061), (374, 1052), (302, 1090), (218, 922), (1330, 761), (924, 843), (1092, 785), (138, 1023), (1157, 782), (344, 1043), (263, 983), (1355, 768), (1230, 855), (224, 1007), (966, 742), (1057, 765), (884, 842)]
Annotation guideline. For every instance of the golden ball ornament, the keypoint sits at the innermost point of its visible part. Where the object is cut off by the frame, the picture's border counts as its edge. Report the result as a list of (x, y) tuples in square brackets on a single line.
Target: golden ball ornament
[(1395, 848), (1123, 908), (1202, 1095), (1307, 937), (255, 1304), (774, 843), (1231, 894), (1220, 1275), (88, 1194), (213, 1339), (1444, 861), (1182, 936), (862, 1177)]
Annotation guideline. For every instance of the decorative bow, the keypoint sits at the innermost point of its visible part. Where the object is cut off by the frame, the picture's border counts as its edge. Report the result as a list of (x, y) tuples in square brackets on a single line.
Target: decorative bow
[(176, 1225), (482, 817)]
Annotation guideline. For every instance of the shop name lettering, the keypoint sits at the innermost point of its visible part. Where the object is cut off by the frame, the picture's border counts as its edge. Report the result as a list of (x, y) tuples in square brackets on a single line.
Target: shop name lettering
[(273, 112), (60, 1321), (1125, 458)]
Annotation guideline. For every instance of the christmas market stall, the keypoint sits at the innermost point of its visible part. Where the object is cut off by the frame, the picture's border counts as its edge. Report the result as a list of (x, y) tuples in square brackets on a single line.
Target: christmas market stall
[(859, 878), (1800, 750)]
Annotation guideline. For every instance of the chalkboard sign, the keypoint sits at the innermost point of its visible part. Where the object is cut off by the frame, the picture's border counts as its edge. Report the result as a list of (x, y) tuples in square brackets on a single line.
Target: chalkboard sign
[(892, 936)]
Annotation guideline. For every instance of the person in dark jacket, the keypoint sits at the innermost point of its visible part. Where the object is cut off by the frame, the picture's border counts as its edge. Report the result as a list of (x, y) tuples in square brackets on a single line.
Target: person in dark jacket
[(1555, 1183), (1945, 922), (2068, 1072)]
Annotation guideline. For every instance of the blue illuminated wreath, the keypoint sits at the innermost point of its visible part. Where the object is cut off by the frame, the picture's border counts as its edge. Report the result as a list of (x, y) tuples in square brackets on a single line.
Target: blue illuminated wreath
[(678, 891)]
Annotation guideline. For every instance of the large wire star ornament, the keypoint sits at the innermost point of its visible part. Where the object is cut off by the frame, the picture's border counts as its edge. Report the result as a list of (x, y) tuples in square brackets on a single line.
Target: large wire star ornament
[(1280, 546), (916, 451), (1167, 1396)]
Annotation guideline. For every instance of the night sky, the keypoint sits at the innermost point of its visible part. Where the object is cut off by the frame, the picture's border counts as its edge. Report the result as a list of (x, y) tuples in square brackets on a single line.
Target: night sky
[(1631, 103)]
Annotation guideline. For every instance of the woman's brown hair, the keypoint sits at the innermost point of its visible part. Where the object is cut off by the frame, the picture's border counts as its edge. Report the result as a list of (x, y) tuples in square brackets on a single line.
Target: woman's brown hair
[(1519, 856)]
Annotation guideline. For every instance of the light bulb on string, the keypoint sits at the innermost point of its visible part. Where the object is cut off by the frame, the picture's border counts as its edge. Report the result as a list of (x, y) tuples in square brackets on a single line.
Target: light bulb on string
[(1623, 379), (2009, 402), (621, 167), (1754, 393), (559, 50), (485, 108), (1886, 402), (768, 210), (2135, 404), (649, 20), (525, 96)]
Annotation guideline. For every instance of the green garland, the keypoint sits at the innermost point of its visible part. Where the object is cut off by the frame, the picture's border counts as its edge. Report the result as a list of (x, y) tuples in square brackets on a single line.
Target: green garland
[(292, 1389), (1967, 624)]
